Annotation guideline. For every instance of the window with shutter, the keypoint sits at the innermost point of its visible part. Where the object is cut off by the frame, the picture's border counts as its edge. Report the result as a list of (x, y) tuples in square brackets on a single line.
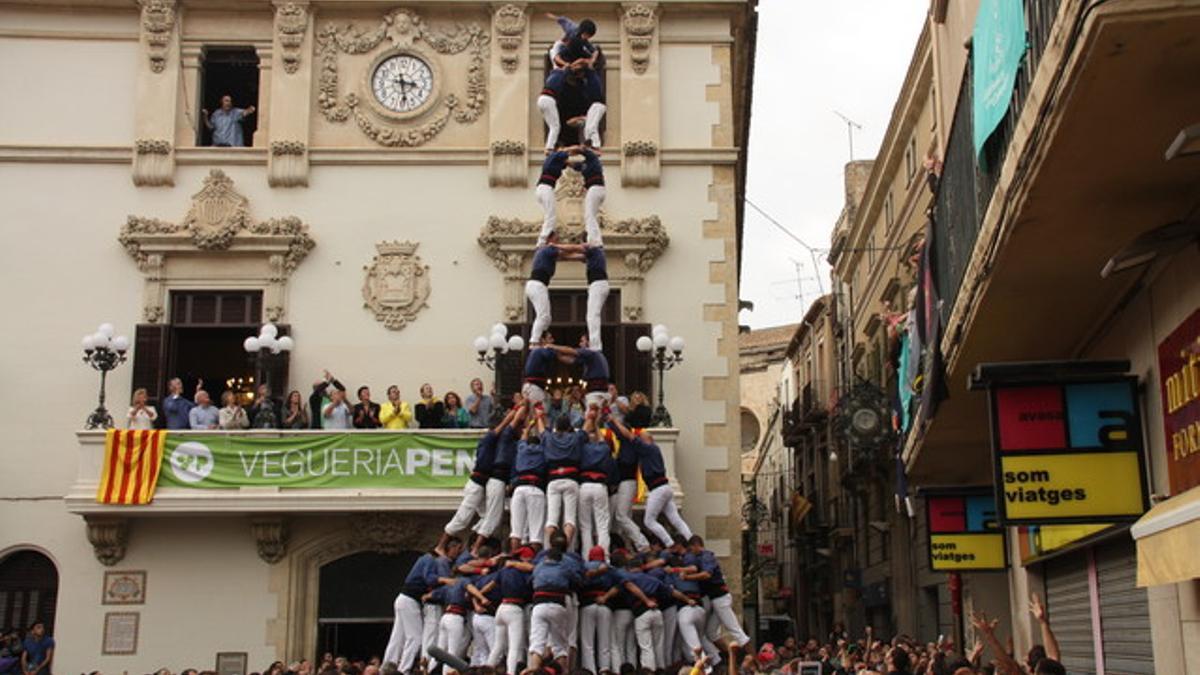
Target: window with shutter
[(1068, 605), (151, 343), (1124, 610)]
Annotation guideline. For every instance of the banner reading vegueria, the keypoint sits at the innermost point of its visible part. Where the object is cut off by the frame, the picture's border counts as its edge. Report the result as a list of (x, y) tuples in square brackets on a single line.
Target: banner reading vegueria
[(317, 461)]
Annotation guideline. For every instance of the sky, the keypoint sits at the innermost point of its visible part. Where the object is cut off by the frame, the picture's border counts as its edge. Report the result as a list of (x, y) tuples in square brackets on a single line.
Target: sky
[(815, 59)]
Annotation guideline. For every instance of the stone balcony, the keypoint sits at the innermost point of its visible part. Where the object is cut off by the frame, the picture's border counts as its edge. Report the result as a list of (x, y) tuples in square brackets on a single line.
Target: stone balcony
[(276, 499)]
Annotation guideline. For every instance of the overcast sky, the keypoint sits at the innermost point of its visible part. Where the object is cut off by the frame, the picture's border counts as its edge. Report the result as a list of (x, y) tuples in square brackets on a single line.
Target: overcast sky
[(814, 58)]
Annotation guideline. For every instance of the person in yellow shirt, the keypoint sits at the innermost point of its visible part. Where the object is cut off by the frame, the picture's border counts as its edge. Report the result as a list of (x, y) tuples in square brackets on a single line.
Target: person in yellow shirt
[(395, 414)]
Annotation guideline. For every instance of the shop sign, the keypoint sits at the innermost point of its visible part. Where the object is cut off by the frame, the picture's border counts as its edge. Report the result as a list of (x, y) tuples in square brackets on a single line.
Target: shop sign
[(1179, 375), (766, 550), (964, 533), (1067, 451)]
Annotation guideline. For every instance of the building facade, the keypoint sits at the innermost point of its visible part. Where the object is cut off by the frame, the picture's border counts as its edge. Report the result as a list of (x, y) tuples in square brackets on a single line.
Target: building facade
[(382, 235)]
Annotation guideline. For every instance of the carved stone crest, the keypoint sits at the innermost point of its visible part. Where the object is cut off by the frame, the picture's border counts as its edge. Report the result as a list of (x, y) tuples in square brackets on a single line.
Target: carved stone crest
[(387, 533), (270, 537), (509, 21), (108, 537), (158, 20), (291, 21), (218, 212), (640, 22), (397, 284)]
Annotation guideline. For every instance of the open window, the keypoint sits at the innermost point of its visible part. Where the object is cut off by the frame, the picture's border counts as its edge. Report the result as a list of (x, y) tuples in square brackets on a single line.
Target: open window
[(233, 72)]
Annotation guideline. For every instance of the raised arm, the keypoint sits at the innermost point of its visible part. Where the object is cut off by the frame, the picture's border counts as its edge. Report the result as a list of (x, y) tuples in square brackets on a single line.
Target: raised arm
[(987, 629), (1048, 639), (620, 429)]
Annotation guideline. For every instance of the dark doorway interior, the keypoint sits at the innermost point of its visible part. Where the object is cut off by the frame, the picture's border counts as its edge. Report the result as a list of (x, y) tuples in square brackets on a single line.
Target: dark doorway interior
[(28, 590), (354, 607), (216, 355), (232, 71)]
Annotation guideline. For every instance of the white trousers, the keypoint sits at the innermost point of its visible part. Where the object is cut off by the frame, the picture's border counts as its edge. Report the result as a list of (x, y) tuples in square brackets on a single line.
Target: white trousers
[(453, 634), (539, 296), (470, 506), (483, 626), (508, 637), (528, 513), (622, 514), (690, 622), (545, 197), (661, 500), (404, 644), (597, 295), (548, 627), (562, 502), (593, 199), (649, 630), (591, 128), (622, 622), (572, 604), (431, 619), (595, 637), (549, 108), (722, 616), (670, 623), (493, 508), (593, 517)]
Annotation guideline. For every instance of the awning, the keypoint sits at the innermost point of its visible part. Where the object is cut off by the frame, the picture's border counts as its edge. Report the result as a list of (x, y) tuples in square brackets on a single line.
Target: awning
[(1166, 541)]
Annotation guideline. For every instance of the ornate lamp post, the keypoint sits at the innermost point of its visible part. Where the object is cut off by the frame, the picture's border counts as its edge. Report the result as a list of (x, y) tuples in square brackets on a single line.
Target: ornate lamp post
[(488, 351), (657, 346), (264, 347), (103, 352)]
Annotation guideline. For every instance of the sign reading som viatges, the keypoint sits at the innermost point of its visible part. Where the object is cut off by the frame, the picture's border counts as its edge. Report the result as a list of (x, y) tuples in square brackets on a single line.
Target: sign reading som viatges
[(1068, 452), (317, 461), (964, 533)]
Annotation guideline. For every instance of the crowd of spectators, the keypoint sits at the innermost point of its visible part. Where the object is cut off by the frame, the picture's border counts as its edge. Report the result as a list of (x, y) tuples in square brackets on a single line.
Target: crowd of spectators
[(28, 652)]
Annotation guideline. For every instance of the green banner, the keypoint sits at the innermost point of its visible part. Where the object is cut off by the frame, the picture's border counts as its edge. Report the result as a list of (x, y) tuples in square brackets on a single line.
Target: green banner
[(340, 460), (998, 45)]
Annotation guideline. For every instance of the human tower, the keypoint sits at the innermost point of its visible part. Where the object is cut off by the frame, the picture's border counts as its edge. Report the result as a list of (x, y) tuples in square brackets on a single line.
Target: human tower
[(561, 594)]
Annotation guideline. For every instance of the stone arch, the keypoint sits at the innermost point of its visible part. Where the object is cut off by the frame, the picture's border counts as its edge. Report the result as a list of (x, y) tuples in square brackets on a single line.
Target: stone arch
[(751, 429), (29, 578)]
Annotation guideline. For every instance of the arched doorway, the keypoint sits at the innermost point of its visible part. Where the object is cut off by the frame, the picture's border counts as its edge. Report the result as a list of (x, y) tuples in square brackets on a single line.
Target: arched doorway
[(28, 590), (354, 607)]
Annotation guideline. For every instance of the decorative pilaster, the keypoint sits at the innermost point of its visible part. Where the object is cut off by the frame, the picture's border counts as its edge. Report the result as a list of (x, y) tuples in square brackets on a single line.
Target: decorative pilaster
[(291, 23), (156, 94), (158, 25), (153, 162), (640, 165), (640, 22), (508, 113), (270, 537), (508, 164), (640, 106), (287, 165), (289, 94), (108, 537), (509, 21)]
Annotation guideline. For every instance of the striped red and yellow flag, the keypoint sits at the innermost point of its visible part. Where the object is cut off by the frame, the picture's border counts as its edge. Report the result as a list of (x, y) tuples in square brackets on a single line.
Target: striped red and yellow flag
[(614, 441), (132, 458)]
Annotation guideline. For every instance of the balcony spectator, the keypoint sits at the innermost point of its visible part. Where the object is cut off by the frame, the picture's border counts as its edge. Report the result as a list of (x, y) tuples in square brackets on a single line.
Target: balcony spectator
[(38, 650), (203, 416), (429, 410), (479, 405), (394, 413), (574, 406), (321, 396), (265, 413), (176, 407), (366, 412), (454, 416), (639, 414), (295, 416), (226, 123), (141, 416), (231, 417), (618, 404), (337, 414), (555, 407)]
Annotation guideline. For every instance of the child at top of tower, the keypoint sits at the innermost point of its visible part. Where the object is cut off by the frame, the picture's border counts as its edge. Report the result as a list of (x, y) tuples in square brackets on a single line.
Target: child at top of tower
[(575, 47)]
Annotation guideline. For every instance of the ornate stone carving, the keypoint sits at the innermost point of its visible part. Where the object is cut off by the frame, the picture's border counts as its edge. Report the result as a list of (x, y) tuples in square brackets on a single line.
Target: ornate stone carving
[(288, 164), (158, 21), (152, 162), (271, 538), (291, 22), (640, 166), (108, 537), (388, 533), (397, 284), (509, 22), (508, 164), (402, 28), (640, 22)]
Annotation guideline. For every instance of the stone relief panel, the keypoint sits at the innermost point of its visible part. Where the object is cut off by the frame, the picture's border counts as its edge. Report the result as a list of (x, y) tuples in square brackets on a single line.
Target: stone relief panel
[(640, 165), (158, 22), (509, 21), (291, 22), (508, 164), (640, 23), (397, 285)]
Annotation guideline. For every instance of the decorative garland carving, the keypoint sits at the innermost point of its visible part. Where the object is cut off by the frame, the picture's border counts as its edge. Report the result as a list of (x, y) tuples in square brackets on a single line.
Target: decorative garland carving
[(158, 20), (292, 22), (397, 285), (642, 241), (507, 166), (288, 164), (639, 149), (402, 27), (508, 148), (152, 162), (145, 146), (640, 23), (641, 166), (280, 148), (509, 21)]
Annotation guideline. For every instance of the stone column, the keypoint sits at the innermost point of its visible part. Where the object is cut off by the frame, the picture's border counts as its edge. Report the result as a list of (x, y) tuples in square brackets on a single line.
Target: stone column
[(287, 109), (508, 111), (157, 93), (264, 50), (188, 124), (641, 108)]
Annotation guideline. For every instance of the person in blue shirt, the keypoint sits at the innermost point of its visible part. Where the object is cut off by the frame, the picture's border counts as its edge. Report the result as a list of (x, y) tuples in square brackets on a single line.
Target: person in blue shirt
[(480, 498), (563, 448), (599, 586), (175, 407), (539, 365), (574, 58), (554, 579), (660, 496), (408, 635), (452, 628), (594, 369), (513, 581), (537, 289), (707, 571), (596, 469), (226, 123), (529, 492), (483, 605), (38, 654), (690, 619)]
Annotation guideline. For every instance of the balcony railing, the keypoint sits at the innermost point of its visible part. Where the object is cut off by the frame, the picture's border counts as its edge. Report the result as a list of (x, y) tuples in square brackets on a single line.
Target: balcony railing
[(968, 182), (269, 491)]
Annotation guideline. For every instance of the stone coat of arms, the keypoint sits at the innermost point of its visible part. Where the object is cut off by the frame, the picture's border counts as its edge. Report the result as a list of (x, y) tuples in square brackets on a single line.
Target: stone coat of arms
[(397, 284)]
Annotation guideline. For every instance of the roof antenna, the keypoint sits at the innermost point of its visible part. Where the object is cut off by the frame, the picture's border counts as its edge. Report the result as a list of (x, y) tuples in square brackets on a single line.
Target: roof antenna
[(851, 125)]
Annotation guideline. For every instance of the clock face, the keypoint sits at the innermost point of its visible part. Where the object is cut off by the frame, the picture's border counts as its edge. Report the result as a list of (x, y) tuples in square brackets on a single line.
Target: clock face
[(402, 83)]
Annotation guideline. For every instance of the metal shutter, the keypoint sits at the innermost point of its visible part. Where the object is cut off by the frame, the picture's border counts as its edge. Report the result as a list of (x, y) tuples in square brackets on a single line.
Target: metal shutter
[(1069, 607), (1124, 611)]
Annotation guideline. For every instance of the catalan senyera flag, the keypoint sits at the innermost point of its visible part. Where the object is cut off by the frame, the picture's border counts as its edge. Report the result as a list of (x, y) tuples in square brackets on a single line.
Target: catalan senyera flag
[(132, 459), (614, 441)]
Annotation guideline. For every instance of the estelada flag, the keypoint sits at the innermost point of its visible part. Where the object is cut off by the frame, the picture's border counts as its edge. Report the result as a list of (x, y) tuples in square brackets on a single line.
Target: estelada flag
[(132, 459), (614, 441)]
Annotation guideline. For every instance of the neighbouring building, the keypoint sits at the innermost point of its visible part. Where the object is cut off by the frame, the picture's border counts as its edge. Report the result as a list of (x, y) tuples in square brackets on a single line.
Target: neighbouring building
[(381, 231)]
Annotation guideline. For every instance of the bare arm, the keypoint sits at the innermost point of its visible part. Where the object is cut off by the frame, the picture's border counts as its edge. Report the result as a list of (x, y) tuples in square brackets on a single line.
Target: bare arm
[(1004, 661), (637, 593), (1048, 639)]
